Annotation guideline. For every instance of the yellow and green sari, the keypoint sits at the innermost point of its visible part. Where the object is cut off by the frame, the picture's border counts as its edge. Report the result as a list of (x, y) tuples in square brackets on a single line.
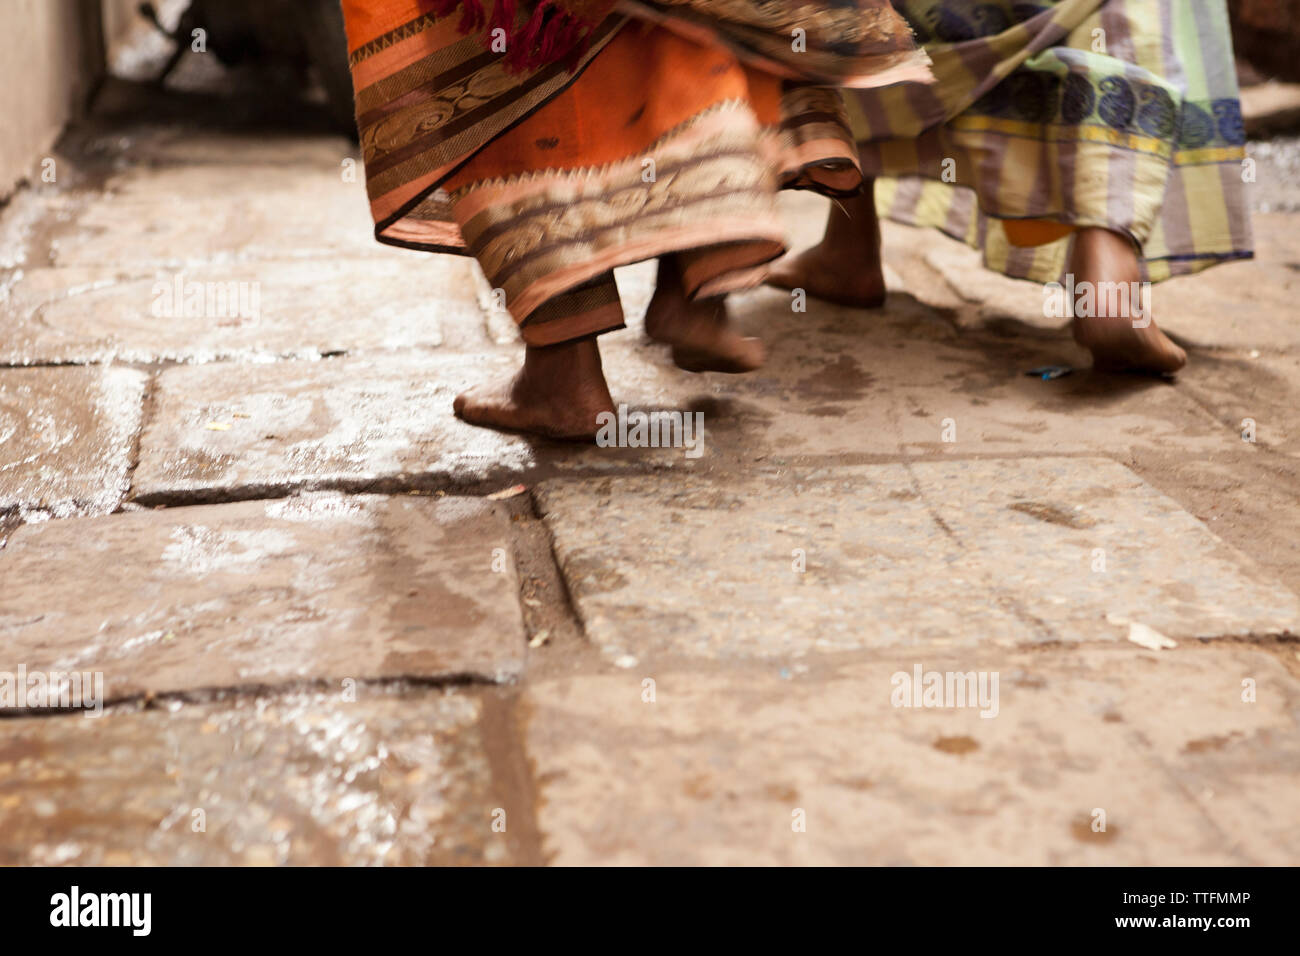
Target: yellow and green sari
[(1053, 115)]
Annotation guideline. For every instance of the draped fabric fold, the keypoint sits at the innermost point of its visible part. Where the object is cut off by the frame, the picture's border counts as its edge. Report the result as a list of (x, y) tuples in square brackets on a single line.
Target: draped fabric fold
[(531, 33), (586, 135), (1047, 116)]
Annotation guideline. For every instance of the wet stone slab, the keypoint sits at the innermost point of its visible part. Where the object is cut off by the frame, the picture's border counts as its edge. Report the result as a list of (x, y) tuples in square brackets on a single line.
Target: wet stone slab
[(719, 768), (1256, 396), (395, 779), (893, 381), (320, 588), (255, 311), (904, 381), (189, 215), (67, 437), (357, 424), (965, 553)]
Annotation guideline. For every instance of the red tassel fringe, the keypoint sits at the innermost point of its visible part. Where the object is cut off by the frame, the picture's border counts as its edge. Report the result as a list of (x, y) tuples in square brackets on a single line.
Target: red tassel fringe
[(549, 35), (503, 17)]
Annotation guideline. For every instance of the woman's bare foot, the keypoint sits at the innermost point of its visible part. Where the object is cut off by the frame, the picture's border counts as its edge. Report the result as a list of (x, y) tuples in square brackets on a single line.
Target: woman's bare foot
[(844, 268), (557, 394), (1104, 259), (699, 332)]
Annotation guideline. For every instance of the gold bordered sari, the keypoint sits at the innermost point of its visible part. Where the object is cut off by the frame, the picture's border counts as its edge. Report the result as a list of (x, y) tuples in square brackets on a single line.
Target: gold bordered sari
[(666, 130)]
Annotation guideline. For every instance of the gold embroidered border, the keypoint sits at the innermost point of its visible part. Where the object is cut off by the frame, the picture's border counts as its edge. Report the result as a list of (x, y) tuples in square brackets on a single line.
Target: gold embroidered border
[(377, 45), (718, 156), (407, 142)]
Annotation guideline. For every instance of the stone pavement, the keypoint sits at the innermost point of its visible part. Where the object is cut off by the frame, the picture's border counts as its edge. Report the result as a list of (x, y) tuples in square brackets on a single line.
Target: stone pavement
[(332, 628)]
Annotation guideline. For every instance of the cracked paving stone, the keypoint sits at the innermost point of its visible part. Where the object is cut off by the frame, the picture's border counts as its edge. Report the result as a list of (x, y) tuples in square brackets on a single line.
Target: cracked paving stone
[(720, 767), (66, 437), (254, 311), (317, 588), (217, 214), (904, 382), (306, 779), (964, 553), (1254, 396), (267, 429), (891, 383)]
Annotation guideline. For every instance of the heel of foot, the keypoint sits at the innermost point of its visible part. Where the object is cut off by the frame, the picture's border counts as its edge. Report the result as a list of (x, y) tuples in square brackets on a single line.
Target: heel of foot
[(1117, 346), (748, 358)]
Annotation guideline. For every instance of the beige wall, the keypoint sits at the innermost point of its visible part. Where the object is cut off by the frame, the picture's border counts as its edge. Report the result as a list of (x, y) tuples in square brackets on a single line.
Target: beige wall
[(51, 54)]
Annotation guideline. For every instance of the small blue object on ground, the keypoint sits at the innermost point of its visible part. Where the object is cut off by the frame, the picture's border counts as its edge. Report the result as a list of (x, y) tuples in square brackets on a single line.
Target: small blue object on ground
[(1049, 372)]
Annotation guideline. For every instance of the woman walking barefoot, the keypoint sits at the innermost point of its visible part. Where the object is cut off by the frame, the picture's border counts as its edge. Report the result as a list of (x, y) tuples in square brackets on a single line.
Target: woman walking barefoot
[(1096, 138), (557, 140)]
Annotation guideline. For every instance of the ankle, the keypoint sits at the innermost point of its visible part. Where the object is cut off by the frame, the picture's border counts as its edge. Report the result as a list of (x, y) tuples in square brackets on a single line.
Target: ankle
[(1101, 255), (576, 359)]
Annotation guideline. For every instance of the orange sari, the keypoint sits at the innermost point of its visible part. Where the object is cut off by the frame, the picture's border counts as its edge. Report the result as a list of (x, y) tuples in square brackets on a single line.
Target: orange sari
[(657, 138)]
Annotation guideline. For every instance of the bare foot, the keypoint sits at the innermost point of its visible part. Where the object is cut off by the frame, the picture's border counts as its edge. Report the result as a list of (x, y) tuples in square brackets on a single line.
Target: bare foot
[(699, 332), (844, 267), (1108, 260), (557, 394), (828, 275)]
